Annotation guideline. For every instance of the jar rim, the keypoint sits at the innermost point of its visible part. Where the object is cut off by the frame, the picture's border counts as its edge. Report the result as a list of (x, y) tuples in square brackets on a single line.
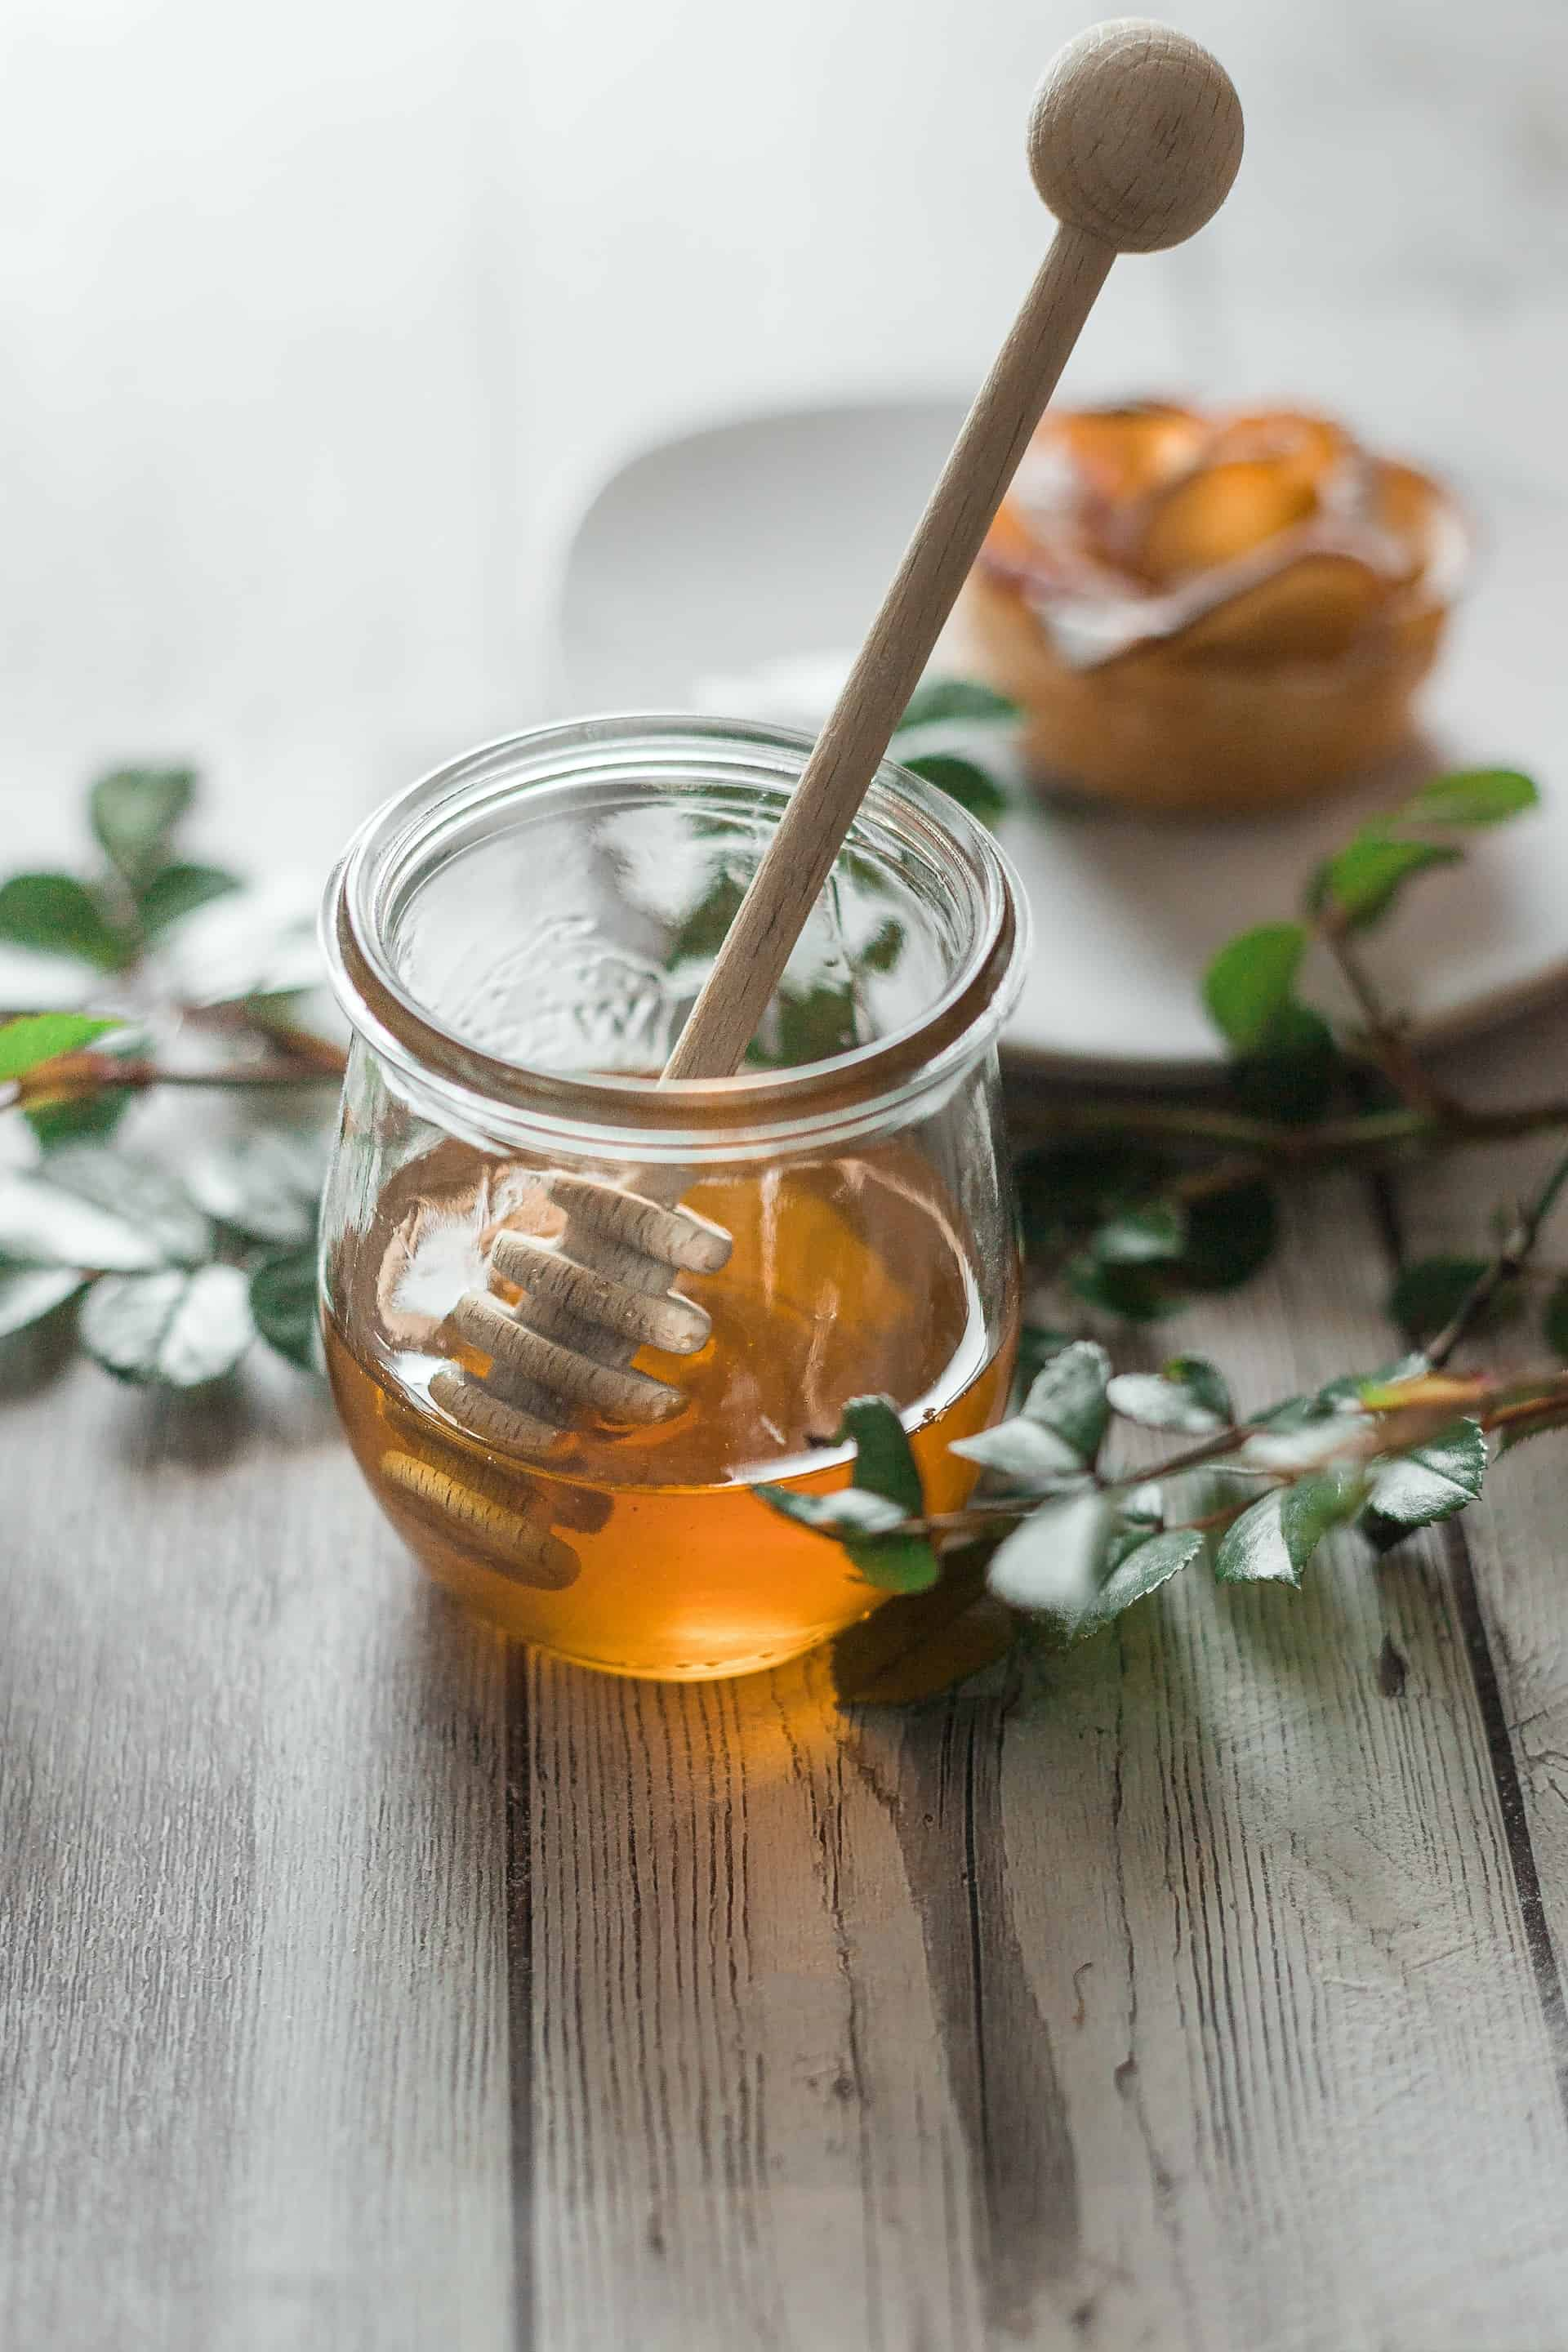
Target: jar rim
[(627, 1111)]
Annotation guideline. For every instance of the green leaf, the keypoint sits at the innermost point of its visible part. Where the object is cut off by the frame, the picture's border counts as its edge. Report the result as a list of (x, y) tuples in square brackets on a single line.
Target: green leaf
[(141, 1192), (29, 1292), (45, 1223), (1554, 1318), (1142, 1570), (1022, 1450), (938, 699), (176, 1329), (1068, 1397), (1432, 1482), (884, 1462), (1145, 1236), (267, 1187), (885, 1488), (1052, 1564), (882, 950), (251, 942), (1188, 1395), (1130, 1291), (704, 927), (133, 812), (1293, 1073), (1428, 1293), (40, 1037), (178, 890), (1229, 1236), (1472, 796), (918, 1645), (964, 780), (89, 1118), (60, 914), (1253, 1549), (1251, 981), (1325, 1499), (285, 1308), (1366, 876)]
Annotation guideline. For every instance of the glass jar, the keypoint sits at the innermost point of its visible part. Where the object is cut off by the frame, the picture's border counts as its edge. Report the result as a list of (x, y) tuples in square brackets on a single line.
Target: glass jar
[(517, 942)]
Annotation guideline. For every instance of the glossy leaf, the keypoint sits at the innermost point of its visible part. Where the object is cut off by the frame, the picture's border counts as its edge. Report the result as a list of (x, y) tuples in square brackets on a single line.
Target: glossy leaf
[(1144, 1567), (135, 811), (1133, 1292), (1052, 1564), (177, 1330), (1293, 1073), (1188, 1395), (1428, 1483), (1022, 1450), (286, 1309), (1230, 1235), (28, 1294), (1472, 796), (1068, 1397), (884, 1462), (247, 943), (60, 915), (1251, 981)]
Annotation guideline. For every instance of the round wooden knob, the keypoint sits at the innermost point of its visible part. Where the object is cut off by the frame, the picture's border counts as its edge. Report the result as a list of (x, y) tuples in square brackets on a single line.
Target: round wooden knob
[(1135, 135)]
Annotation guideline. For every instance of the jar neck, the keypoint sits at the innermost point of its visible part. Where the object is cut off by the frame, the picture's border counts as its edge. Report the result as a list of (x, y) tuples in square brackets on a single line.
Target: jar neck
[(612, 1116)]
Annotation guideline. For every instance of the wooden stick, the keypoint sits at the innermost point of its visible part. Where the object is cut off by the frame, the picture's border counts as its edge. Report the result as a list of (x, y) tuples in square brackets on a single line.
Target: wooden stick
[(1134, 141)]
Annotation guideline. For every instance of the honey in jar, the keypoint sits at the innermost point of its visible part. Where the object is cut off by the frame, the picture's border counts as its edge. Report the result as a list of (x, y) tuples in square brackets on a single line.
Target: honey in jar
[(516, 942)]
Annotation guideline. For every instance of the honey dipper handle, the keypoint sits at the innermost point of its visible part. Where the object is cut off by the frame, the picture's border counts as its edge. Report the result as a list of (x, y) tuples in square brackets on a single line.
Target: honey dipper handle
[(1134, 140)]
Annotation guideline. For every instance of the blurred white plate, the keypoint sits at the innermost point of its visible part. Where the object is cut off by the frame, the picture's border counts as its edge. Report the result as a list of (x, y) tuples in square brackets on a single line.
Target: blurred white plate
[(731, 570)]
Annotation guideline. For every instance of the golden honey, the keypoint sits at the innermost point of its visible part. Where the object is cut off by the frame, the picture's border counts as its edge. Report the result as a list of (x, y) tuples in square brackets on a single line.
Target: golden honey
[(646, 1551)]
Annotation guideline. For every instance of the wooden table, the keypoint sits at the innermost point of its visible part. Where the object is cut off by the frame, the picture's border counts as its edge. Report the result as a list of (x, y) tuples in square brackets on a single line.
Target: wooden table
[(365, 1985)]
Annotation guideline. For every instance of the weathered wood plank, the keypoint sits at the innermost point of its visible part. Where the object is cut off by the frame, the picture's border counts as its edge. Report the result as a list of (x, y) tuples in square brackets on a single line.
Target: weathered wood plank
[(1512, 1554), (253, 2050), (1192, 2006)]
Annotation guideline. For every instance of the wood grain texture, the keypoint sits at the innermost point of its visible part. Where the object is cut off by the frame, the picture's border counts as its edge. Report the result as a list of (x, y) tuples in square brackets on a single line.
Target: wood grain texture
[(252, 2087), (1143, 2014)]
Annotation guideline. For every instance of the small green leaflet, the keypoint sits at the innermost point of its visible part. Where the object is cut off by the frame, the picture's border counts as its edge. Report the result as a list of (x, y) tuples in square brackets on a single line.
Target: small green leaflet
[(38, 1037), (135, 811), (1051, 1564), (1059, 1432), (974, 787), (60, 915), (1365, 878), (285, 1308), (1428, 1483), (178, 890), (1188, 1395), (885, 1488), (1274, 1539), (178, 1329), (1252, 980), (937, 700), (1472, 796), (1142, 1570), (29, 1292)]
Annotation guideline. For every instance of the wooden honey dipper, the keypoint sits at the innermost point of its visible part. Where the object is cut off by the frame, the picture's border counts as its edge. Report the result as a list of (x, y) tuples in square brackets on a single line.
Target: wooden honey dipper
[(1134, 140)]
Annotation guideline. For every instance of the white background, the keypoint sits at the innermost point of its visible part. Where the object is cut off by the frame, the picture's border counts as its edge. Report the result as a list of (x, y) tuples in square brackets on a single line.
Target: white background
[(319, 322)]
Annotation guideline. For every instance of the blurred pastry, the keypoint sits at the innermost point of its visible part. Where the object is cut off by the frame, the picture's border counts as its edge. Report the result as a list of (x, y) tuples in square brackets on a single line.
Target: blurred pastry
[(1211, 612)]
